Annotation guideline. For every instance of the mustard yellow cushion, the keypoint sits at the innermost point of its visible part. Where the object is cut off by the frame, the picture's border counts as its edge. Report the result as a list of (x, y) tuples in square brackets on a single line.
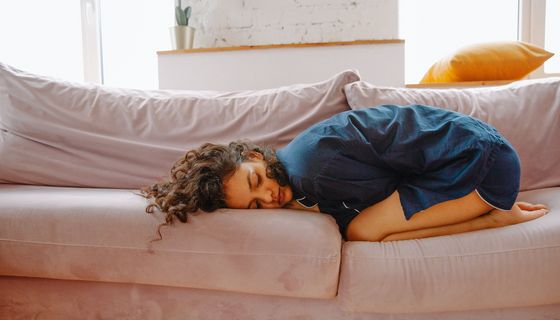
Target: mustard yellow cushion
[(511, 60)]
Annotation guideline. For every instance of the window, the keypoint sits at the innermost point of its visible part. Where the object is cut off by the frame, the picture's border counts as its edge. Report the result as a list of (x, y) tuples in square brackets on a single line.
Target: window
[(43, 37), (132, 31), (552, 35), (49, 37), (433, 29)]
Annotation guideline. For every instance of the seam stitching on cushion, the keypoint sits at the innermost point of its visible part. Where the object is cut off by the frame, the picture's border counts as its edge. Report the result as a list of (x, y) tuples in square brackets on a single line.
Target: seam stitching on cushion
[(455, 256), (334, 256)]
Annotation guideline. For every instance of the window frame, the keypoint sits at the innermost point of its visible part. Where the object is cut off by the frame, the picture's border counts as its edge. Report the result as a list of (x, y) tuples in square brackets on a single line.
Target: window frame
[(532, 28), (91, 41)]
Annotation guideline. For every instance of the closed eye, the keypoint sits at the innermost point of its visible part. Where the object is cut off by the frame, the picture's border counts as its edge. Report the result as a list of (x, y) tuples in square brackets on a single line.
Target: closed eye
[(253, 185), (259, 180)]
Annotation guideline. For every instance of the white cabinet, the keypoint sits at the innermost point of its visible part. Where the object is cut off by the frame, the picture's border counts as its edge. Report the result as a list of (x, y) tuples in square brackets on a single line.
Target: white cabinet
[(259, 67)]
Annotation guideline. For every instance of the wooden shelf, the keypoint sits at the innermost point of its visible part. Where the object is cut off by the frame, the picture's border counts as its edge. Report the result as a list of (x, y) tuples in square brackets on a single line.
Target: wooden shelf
[(277, 46)]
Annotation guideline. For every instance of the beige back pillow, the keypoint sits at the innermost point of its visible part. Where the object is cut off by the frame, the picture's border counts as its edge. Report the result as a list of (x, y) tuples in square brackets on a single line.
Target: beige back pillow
[(60, 133)]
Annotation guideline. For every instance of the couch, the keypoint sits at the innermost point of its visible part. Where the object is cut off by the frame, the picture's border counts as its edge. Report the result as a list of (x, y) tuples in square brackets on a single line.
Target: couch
[(76, 242)]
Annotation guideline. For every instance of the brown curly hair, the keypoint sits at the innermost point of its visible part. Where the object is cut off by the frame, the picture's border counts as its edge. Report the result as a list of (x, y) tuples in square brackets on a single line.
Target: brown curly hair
[(196, 179)]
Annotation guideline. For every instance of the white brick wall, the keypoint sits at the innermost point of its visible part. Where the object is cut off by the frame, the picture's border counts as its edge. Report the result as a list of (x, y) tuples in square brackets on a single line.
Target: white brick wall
[(225, 23)]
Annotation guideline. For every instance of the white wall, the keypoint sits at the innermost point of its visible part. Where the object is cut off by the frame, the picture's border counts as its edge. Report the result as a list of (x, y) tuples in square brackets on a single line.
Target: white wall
[(226, 23), (382, 64), (231, 23)]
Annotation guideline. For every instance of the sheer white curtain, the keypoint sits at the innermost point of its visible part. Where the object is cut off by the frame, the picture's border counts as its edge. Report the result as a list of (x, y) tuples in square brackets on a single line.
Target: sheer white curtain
[(45, 37), (41, 36), (132, 31)]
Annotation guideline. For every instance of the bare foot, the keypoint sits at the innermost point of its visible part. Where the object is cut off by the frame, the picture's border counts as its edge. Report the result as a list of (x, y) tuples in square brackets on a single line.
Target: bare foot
[(520, 212)]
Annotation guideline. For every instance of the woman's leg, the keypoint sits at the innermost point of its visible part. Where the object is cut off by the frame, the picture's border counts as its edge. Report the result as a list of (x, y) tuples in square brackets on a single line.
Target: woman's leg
[(387, 217), (521, 212)]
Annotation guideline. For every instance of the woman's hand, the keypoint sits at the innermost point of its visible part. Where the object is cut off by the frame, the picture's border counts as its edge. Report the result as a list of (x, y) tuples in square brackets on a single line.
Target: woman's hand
[(295, 205), (520, 212)]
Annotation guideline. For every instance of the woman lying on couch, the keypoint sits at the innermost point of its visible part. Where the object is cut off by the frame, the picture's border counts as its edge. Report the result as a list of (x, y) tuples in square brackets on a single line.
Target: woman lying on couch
[(384, 173)]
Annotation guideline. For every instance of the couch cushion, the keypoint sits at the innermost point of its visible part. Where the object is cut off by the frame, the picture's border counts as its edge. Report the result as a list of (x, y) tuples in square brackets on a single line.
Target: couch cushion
[(513, 266), (95, 136), (526, 112), (104, 235)]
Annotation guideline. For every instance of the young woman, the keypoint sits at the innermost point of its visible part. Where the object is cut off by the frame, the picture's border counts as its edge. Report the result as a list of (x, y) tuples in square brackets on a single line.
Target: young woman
[(384, 173)]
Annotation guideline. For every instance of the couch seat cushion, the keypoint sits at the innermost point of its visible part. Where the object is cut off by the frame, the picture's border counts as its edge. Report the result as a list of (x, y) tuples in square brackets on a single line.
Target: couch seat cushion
[(513, 266), (104, 235)]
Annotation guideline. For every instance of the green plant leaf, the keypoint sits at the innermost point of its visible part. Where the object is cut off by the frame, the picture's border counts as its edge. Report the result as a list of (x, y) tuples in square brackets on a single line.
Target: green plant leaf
[(180, 17)]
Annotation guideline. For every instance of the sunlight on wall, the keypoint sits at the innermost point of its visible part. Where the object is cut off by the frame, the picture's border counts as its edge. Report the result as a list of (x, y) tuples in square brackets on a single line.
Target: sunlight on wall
[(43, 37), (430, 35)]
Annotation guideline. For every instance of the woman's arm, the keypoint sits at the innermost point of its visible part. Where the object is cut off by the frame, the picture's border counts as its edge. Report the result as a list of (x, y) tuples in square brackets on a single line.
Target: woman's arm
[(295, 205)]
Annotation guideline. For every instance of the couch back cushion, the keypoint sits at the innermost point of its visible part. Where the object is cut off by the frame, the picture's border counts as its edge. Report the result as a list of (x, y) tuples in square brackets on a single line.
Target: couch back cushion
[(526, 112), (61, 133)]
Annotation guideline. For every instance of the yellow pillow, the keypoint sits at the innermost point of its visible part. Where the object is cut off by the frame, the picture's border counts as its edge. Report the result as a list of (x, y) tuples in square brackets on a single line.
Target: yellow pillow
[(511, 60)]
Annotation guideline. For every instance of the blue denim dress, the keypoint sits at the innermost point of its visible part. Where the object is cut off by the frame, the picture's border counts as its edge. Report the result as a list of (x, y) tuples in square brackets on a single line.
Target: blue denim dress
[(429, 155)]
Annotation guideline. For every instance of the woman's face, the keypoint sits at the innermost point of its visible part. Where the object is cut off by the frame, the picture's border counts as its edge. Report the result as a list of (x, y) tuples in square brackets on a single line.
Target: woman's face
[(250, 188)]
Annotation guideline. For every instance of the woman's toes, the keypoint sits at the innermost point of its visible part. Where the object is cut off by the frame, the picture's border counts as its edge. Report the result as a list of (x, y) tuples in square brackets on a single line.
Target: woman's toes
[(530, 206), (520, 212), (533, 214)]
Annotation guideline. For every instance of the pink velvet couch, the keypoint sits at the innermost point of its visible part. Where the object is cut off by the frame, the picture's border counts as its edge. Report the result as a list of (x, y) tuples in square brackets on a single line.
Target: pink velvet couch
[(75, 242)]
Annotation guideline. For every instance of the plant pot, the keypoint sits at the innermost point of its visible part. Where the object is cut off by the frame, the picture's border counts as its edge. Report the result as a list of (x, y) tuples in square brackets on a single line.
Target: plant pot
[(181, 37)]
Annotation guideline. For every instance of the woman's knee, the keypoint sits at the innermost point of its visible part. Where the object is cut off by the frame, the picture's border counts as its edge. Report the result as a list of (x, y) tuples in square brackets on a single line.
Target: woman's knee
[(363, 232), (377, 221)]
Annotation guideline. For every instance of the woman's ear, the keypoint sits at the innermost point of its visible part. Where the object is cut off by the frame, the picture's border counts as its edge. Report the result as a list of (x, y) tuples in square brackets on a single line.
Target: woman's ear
[(254, 155)]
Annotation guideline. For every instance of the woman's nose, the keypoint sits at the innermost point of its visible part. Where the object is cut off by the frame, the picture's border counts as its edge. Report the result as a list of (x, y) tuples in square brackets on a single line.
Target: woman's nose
[(267, 196)]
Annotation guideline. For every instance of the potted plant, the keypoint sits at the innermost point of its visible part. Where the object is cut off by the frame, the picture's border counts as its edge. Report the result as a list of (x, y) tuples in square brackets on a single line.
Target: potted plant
[(182, 35)]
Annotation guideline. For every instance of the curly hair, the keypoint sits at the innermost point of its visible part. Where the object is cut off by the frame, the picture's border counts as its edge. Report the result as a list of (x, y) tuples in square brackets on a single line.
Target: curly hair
[(196, 180)]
